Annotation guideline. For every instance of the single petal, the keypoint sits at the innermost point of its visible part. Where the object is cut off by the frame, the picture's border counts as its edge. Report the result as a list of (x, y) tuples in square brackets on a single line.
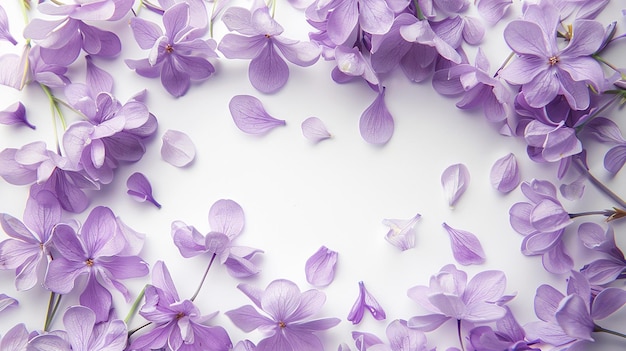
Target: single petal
[(607, 302), (549, 216), (146, 33), (320, 268), (15, 114), (375, 17), (177, 148), (79, 322), (226, 217), (473, 30), (401, 232), (573, 317), (428, 322), (250, 116), (493, 10), (248, 319), (268, 72), (314, 129), (486, 286), (505, 174), (615, 158), (281, 299), (526, 38), (455, 180), (301, 53), (176, 82), (187, 239), (7, 301), (556, 260), (376, 123), (98, 80), (139, 188), (466, 247)]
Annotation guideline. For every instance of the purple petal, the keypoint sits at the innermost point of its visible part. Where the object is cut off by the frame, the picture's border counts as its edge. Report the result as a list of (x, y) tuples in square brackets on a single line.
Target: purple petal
[(549, 216), (365, 301), (79, 322), (608, 301), (401, 232), (140, 189), (187, 239), (248, 319), (177, 149), (250, 116), (98, 80), (573, 316), (605, 130), (466, 247), (556, 260), (16, 339), (226, 217), (505, 174), (428, 322), (301, 53), (6, 301), (473, 30), (146, 33), (455, 180), (314, 129), (493, 10), (615, 158), (486, 286), (574, 190), (268, 72), (375, 17), (15, 114), (175, 82), (320, 268), (376, 123), (4, 27)]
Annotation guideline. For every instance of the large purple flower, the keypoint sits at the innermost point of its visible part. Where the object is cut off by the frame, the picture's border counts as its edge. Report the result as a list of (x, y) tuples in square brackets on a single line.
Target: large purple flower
[(178, 56), (288, 309), (545, 71), (261, 41)]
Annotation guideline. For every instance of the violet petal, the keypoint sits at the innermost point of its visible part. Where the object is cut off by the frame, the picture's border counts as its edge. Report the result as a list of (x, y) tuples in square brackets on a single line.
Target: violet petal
[(177, 149), (15, 114), (314, 129), (7, 301), (455, 180), (466, 247), (139, 188), (250, 116), (320, 268), (376, 123), (365, 301), (505, 174), (401, 232)]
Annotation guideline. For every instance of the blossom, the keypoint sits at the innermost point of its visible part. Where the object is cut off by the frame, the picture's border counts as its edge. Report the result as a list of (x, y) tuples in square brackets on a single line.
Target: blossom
[(178, 324), (261, 41), (451, 296), (320, 268), (542, 69), (287, 326), (365, 300), (401, 232), (100, 251), (179, 55)]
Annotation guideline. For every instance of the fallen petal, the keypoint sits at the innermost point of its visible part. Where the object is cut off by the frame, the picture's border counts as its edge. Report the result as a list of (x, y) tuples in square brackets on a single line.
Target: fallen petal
[(15, 114), (7, 301), (177, 149), (466, 247), (250, 116), (139, 188), (376, 123), (365, 301), (401, 232), (320, 268), (505, 174), (455, 180), (314, 129)]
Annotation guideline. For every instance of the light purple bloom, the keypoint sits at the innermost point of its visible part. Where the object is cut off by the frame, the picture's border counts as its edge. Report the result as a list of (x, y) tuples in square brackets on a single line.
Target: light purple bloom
[(6, 302), (18, 71), (508, 335), (450, 296), (100, 251), (504, 174), (314, 129), (401, 232), (455, 180), (250, 116), (5, 33), (139, 188), (421, 32), (320, 268), (177, 148), (261, 41), (364, 301), (376, 123), (287, 325), (179, 55), (178, 324), (545, 71), (15, 114), (603, 270), (466, 247), (84, 334)]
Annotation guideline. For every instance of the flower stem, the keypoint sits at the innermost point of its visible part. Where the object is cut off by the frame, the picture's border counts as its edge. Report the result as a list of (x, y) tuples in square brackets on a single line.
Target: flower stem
[(133, 331), (53, 306), (135, 306), (203, 278), (506, 62), (606, 213), (458, 327), (598, 184), (608, 64), (598, 328), (55, 110)]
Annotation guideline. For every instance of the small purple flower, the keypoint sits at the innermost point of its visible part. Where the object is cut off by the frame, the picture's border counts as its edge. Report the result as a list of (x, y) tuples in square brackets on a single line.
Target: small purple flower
[(504, 174), (177, 148), (320, 268), (401, 232), (287, 325), (364, 301), (314, 129), (466, 247), (250, 116), (84, 334), (455, 180), (15, 114), (139, 188)]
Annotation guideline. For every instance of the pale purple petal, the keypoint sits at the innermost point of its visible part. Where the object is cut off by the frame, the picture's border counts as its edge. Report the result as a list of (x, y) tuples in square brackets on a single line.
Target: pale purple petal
[(401, 232), (455, 180), (98, 80), (250, 116), (7, 301), (574, 190), (301, 53), (375, 17), (248, 319), (268, 72), (177, 149), (486, 286), (175, 82), (428, 322), (526, 38), (16, 339), (493, 10), (549, 216), (320, 268), (615, 158), (314, 129), (226, 217), (605, 130), (187, 239), (4, 27), (79, 322), (146, 33), (505, 174), (473, 30), (365, 301), (376, 123), (139, 188), (466, 247), (556, 260), (15, 114), (607, 302), (573, 316)]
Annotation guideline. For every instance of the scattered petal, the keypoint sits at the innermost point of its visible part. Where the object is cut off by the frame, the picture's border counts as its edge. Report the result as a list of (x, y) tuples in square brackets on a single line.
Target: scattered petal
[(7, 301), (505, 174), (177, 149), (466, 247), (320, 268), (250, 116), (314, 129), (365, 300), (15, 114), (139, 188), (401, 232), (376, 124), (455, 180), (574, 190)]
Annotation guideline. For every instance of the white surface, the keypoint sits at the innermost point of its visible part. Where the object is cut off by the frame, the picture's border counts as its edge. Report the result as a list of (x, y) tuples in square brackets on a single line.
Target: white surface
[(298, 196)]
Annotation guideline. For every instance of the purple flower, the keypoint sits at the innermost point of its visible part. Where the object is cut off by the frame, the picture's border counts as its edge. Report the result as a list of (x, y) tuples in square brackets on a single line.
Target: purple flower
[(504, 174), (139, 188), (261, 41), (17, 71), (542, 69), (27, 250), (364, 301), (401, 232), (178, 324), (455, 180), (320, 268), (15, 114), (450, 296), (250, 116), (5, 33), (287, 323), (177, 148), (508, 335), (466, 247), (226, 219), (351, 64), (178, 56), (100, 251), (84, 334)]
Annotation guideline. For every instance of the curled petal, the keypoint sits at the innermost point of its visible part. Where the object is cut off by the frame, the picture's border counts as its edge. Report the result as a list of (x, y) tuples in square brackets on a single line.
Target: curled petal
[(466, 247), (6, 301), (177, 149), (401, 232), (505, 174), (365, 301), (493, 10), (15, 114), (140, 189), (455, 180), (320, 268), (314, 129), (376, 123), (250, 116)]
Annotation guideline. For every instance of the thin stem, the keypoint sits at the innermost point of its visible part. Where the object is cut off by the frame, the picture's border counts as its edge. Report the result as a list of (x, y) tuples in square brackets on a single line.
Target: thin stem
[(25, 7), (506, 62), (608, 64), (53, 306), (212, 18), (203, 278), (54, 110), (598, 328), (458, 328), (135, 306), (598, 184), (606, 213), (133, 331)]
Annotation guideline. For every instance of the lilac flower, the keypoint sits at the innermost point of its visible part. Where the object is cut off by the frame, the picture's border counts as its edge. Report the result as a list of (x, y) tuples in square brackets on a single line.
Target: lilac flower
[(178, 324), (455, 180), (603, 270), (314, 129), (15, 114), (102, 253), (288, 309), (376, 123), (508, 335), (542, 69), (320, 268), (250, 116), (416, 31), (18, 71), (5, 33), (504, 174), (6, 302), (226, 219), (466, 247), (401, 232), (450, 296), (493, 10), (178, 56), (177, 148), (84, 334), (27, 250), (364, 301), (139, 188), (352, 64), (261, 40)]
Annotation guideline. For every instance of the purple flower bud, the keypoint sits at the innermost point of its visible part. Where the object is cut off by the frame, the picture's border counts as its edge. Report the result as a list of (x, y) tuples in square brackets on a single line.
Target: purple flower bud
[(365, 300), (320, 268), (505, 174), (250, 116)]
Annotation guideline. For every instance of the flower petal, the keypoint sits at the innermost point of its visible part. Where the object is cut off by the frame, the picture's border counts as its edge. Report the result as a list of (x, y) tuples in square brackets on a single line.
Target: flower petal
[(376, 123), (250, 116), (505, 174), (177, 149), (320, 268), (401, 232), (314, 129), (455, 180), (139, 188), (15, 114), (268, 72), (466, 247)]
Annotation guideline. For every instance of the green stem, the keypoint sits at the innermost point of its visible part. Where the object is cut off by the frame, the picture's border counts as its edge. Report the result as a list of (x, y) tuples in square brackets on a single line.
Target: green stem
[(53, 306), (135, 306), (54, 110), (203, 278), (211, 19), (25, 7), (598, 328)]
